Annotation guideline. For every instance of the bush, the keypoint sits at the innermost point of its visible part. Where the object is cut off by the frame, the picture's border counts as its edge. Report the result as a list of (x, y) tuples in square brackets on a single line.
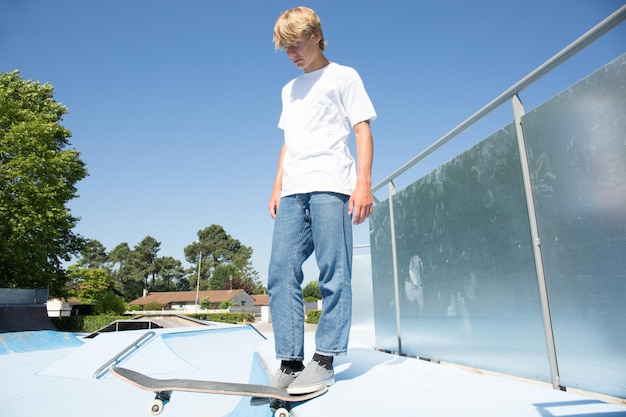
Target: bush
[(153, 306), (312, 291), (313, 316), (109, 303), (205, 303), (225, 305), (232, 318), (69, 324), (86, 324)]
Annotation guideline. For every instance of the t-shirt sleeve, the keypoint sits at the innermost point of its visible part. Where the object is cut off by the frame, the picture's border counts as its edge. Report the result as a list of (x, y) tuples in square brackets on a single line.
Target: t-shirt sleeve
[(358, 105)]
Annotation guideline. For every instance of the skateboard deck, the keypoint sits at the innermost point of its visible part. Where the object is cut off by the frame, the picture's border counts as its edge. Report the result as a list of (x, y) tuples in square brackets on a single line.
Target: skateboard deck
[(164, 388)]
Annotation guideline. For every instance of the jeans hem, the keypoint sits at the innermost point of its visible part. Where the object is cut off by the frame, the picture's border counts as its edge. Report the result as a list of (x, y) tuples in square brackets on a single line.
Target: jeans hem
[(288, 358), (332, 352)]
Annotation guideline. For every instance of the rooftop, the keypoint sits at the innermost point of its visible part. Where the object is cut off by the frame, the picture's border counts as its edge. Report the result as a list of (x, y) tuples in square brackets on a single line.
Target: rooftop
[(216, 296)]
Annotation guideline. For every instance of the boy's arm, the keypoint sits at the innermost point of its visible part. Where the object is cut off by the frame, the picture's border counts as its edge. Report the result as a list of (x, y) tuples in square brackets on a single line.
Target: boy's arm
[(278, 185), (361, 200)]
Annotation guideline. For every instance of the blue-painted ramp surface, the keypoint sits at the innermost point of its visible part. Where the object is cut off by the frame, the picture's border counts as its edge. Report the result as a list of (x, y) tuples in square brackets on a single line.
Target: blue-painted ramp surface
[(60, 383)]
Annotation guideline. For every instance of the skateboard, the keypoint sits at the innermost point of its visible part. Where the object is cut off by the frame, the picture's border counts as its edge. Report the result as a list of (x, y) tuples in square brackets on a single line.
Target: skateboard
[(163, 389)]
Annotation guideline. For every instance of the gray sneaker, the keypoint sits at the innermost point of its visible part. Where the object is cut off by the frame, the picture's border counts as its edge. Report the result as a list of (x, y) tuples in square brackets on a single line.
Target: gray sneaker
[(280, 380), (313, 378)]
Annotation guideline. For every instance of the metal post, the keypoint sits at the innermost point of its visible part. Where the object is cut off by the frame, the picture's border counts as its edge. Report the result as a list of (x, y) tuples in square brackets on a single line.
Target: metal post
[(394, 256), (518, 112), (198, 283)]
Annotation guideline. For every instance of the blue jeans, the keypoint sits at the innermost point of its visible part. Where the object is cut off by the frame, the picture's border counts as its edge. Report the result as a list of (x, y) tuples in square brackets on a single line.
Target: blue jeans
[(306, 223)]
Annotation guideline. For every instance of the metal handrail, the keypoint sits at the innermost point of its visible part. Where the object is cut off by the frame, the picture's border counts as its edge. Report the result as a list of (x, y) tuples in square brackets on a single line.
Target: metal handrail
[(101, 371), (569, 51)]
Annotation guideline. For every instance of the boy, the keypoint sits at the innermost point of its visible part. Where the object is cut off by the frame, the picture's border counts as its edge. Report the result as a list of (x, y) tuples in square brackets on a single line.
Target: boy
[(317, 192)]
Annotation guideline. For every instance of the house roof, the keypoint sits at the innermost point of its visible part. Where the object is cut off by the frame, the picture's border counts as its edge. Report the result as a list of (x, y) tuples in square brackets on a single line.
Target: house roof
[(186, 297), (261, 299)]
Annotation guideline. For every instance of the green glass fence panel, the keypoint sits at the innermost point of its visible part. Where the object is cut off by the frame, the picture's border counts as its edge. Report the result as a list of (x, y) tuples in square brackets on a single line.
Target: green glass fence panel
[(468, 288), (576, 143), (362, 307), (382, 279)]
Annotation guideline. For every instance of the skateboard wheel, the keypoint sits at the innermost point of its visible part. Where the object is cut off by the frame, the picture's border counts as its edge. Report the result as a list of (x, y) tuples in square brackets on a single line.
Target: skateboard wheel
[(281, 412), (156, 407)]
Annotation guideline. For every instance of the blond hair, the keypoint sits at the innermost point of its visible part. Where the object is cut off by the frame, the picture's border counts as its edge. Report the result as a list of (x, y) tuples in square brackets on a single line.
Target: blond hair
[(295, 23)]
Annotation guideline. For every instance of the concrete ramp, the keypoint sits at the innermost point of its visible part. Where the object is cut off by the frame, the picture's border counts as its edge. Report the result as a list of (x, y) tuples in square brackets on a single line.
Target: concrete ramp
[(216, 352), (54, 381), (19, 318), (24, 309), (21, 342)]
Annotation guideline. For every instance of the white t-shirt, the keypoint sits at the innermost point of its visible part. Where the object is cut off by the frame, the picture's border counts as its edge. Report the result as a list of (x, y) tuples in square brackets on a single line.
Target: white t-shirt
[(319, 110)]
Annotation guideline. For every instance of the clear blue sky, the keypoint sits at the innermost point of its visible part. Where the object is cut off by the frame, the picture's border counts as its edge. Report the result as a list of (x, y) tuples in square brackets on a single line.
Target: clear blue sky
[(174, 104)]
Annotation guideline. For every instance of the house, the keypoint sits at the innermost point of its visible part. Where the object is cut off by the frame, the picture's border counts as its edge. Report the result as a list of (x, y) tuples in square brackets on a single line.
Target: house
[(64, 307), (186, 300), (261, 300)]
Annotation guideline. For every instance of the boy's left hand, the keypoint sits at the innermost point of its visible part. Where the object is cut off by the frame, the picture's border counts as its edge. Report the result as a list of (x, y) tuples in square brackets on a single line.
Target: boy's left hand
[(360, 204)]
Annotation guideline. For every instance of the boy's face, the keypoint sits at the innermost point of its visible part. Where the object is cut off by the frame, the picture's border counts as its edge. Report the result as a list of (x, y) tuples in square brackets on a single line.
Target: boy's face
[(305, 53)]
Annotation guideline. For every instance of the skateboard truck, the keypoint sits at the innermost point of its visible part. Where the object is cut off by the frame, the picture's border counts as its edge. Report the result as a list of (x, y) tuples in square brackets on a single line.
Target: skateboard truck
[(160, 399)]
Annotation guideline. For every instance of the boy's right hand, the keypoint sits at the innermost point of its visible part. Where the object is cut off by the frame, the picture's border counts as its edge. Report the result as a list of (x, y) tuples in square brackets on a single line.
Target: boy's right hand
[(273, 205)]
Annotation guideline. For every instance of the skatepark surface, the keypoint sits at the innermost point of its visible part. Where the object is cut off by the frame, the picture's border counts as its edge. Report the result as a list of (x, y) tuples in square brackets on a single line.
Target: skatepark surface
[(64, 375)]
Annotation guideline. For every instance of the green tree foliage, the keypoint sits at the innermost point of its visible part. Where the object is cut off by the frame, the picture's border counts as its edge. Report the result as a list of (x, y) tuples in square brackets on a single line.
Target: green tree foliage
[(229, 277), (170, 270), (133, 270), (89, 283), (38, 174), (110, 303), (144, 258), (313, 316), (311, 291), (153, 306), (217, 248), (226, 304), (93, 255), (129, 271), (123, 269), (223, 277), (205, 303), (95, 286), (223, 258)]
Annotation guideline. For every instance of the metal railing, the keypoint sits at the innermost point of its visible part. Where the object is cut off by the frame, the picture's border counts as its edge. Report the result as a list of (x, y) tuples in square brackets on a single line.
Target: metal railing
[(142, 340), (566, 53), (512, 93)]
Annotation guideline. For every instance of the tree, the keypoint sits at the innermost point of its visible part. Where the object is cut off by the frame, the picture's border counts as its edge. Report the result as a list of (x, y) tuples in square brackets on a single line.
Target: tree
[(170, 271), (251, 277), (133, 270), (223, 277), (119, 259), (110, 303), (143, 257), (312, 291), (219, 250), (95, 286), (123, 272), (38, 174), (93, 255), (89, 283), (229, 277)]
